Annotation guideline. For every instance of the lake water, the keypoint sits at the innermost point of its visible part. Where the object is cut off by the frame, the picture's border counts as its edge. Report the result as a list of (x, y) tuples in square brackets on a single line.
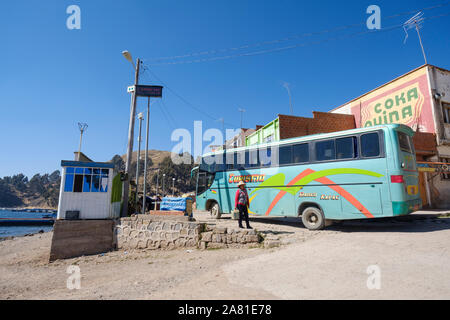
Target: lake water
[(9, 231)]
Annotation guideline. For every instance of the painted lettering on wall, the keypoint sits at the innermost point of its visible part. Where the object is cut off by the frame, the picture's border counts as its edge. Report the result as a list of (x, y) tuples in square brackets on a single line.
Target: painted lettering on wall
[(402, 106)]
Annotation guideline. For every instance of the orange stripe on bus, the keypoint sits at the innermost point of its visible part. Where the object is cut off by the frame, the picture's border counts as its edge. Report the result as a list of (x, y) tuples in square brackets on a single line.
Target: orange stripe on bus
[(282, 193), (344, 193), (324, 180)]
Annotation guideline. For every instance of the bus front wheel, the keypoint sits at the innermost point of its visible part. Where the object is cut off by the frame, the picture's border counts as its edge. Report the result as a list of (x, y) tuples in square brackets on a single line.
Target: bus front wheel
[(215, 211), (313, 218)]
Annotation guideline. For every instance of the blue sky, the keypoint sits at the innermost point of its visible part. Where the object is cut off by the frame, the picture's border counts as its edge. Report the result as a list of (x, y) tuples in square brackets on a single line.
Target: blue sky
[(52, 77)]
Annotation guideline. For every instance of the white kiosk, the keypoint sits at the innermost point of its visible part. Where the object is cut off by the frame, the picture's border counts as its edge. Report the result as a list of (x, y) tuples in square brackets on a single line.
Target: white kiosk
[(89, 190)]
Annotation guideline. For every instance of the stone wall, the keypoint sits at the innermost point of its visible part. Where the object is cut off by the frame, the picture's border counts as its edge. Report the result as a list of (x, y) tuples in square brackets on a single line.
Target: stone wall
[(221, 237), (170, 232), (156, 232)]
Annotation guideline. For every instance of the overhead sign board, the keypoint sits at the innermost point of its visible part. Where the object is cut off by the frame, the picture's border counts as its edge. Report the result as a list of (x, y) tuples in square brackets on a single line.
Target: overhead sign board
[(148, 91)]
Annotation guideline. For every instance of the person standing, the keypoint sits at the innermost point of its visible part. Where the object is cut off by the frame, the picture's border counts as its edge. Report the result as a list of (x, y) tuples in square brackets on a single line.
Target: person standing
[(242, 203)]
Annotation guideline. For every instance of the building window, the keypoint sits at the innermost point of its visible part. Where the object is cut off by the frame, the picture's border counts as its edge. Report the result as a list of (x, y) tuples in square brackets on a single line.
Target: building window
[(446, 175), (446, 111), (86, 180), (268, 139), (68, 185)]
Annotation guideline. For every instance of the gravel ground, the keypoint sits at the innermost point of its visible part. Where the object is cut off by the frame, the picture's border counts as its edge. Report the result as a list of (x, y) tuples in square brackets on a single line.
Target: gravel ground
[(411, 254)]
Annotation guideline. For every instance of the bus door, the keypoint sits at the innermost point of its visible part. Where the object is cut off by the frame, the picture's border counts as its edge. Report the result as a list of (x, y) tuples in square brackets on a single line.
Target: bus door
[(409, 176)]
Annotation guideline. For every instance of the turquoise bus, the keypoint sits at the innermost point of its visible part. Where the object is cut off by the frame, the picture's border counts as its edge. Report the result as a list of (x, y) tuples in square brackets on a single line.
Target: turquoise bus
[(354, 174)]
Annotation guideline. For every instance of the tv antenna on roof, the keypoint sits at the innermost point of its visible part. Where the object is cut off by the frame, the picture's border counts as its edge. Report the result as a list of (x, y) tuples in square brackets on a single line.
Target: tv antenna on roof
[(83, 127), (242, 113), (415, 22), (287, 86)]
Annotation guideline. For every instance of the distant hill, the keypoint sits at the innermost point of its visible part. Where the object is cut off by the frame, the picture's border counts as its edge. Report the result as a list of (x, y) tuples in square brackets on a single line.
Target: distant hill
[(161, 160), (43, 190), (157, 156), (40, 191)]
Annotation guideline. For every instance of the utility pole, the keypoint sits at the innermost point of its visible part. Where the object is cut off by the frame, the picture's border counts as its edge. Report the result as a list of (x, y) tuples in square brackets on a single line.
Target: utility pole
[(126, 184), (146, 157), (140, 117), (83, 127)]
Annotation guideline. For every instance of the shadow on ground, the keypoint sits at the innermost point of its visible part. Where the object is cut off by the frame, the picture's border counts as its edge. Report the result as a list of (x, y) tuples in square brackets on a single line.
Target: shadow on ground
[(411, 223)]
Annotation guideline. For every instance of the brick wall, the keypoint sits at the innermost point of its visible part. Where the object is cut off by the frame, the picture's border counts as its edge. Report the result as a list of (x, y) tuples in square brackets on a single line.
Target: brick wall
[(322, 122)]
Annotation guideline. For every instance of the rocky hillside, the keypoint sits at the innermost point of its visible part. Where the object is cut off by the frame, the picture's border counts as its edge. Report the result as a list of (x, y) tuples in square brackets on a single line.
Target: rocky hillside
[(160, 163), (40, 191), (43, 190)]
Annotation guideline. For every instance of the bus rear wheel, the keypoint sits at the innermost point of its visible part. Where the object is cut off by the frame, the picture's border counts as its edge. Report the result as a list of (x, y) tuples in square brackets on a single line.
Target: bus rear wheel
[(215, 211), (313, 218)]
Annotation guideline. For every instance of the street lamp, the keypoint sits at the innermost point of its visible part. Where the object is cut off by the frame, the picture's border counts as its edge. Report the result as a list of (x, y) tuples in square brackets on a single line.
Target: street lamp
[(126, 184), (127, 56), (163, 184), (157, 183), (173, 186)]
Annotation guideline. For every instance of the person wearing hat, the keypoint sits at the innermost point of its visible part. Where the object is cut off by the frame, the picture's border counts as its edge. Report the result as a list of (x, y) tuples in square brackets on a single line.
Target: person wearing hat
[(242, 203)]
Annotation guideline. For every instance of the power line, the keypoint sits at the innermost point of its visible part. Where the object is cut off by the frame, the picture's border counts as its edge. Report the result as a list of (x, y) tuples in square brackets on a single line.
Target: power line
[(169, 123), (164, 109), (297, 36), (186, 101), (254, 53), (261, 52)]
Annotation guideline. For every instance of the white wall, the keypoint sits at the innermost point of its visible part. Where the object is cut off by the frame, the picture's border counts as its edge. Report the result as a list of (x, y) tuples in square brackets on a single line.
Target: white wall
[(92, 205), (343, 110), (440, 81)]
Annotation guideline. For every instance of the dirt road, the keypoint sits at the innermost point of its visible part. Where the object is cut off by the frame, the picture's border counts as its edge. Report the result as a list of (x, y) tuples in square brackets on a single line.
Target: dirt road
[(411, 256)]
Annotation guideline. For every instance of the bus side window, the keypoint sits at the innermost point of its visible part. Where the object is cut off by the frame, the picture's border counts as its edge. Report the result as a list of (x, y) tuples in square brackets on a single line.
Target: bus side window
[(300, 153), (265, 157), (346, 148), (251, 160), (285, 155), (370, 145), (239, 160), (230, 160), (325, 150)]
